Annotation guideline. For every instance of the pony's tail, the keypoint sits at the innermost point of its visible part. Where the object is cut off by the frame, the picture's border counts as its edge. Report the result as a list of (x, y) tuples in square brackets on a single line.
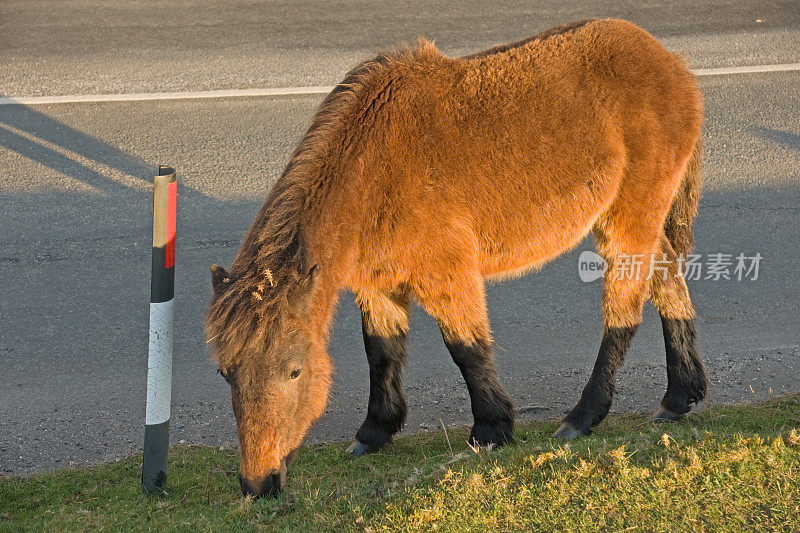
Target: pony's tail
[(678, 225)]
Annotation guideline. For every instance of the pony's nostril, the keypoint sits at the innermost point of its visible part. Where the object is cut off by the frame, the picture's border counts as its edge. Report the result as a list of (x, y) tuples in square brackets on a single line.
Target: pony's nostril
[(276, 484)]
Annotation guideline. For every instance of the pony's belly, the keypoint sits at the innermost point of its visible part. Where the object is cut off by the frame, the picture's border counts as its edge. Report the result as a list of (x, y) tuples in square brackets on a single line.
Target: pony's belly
[(503, 266), (514, 253)]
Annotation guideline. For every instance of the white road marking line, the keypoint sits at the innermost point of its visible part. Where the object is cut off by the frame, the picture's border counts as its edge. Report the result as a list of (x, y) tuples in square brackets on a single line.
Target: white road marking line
[(179, 95), (781, 67), (295, 91)]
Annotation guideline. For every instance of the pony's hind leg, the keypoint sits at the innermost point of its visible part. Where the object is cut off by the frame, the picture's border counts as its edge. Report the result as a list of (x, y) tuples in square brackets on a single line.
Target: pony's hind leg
[(686, 378), (624, 293), (384, 320), (459, 306)]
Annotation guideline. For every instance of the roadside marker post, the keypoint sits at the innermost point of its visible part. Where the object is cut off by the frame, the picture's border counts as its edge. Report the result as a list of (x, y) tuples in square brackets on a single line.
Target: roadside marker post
[(159, 358)]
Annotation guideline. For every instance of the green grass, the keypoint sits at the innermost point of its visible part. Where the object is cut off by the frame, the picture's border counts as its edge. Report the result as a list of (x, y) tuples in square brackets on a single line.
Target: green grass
[(728, 468)]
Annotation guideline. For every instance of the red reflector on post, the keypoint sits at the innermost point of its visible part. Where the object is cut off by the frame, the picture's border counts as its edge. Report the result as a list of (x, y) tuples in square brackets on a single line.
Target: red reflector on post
[(172, 199)]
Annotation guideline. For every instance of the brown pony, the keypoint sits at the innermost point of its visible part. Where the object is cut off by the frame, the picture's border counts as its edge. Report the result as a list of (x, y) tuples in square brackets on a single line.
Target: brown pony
[(420, 177)]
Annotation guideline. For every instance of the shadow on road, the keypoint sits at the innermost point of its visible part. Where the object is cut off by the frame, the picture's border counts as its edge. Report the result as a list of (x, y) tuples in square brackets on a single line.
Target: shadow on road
[(41, 138), (48, 157), (784, 138)]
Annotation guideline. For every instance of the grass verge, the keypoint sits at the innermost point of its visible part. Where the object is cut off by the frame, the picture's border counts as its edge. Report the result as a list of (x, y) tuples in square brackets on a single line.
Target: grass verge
[(727, 468)]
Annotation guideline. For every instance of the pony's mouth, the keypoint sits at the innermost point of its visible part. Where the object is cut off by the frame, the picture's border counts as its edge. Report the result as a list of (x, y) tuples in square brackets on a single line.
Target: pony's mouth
[(271, 484)]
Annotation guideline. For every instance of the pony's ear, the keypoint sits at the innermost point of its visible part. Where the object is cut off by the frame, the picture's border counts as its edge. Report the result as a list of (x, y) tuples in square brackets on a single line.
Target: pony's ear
[(219, 279), (300, 295)]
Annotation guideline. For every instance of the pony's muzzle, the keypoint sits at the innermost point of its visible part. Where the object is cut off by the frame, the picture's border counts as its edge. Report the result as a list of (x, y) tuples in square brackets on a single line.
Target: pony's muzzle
[(270, 485)]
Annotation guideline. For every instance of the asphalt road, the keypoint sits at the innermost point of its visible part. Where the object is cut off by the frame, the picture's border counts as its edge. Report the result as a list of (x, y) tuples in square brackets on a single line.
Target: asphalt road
[(75, 207)]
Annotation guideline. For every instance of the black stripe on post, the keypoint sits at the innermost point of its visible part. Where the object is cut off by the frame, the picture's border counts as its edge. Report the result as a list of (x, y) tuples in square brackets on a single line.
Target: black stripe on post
[(154, 463), (159, 359)]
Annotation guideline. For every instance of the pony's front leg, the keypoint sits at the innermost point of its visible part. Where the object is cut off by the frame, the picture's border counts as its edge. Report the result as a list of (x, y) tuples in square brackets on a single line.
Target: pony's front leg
[(459, 306), (384, 321), (491, 407)]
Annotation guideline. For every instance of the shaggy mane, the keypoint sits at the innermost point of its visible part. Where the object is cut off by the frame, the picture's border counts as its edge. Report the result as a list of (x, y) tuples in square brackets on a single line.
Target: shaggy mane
[(273, 256)]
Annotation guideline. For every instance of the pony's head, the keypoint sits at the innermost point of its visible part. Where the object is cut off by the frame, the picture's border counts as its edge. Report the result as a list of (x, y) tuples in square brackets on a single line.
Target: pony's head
[(275, 364)]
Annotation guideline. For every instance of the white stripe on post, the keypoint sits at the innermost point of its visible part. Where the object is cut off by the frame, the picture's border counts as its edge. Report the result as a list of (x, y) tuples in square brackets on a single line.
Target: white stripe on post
[(159, 364)]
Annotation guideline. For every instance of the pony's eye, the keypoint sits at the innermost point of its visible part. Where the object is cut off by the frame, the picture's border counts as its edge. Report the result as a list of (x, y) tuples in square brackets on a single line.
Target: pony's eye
[(295, 374)]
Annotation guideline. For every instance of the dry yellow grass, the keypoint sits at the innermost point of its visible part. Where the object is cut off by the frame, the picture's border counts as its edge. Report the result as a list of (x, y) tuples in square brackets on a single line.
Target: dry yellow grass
[(728, 468)]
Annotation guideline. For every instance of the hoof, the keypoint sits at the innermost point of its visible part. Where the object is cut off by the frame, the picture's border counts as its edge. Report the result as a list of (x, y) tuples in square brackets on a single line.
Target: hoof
[(491, 436), (666, 415), (568, 432), (357, 449)]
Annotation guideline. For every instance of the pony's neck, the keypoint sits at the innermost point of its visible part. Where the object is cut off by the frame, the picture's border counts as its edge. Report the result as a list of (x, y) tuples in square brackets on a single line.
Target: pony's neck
[(288, 238), (332, 252)]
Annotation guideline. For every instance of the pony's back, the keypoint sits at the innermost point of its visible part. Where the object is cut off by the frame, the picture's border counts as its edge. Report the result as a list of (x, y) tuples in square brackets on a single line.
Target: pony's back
[(519, 152)]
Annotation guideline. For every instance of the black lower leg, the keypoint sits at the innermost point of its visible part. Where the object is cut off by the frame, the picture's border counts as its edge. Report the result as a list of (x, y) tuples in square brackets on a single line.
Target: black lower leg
[(597, 395), (686, 378), (491, 405), (386, 412)]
